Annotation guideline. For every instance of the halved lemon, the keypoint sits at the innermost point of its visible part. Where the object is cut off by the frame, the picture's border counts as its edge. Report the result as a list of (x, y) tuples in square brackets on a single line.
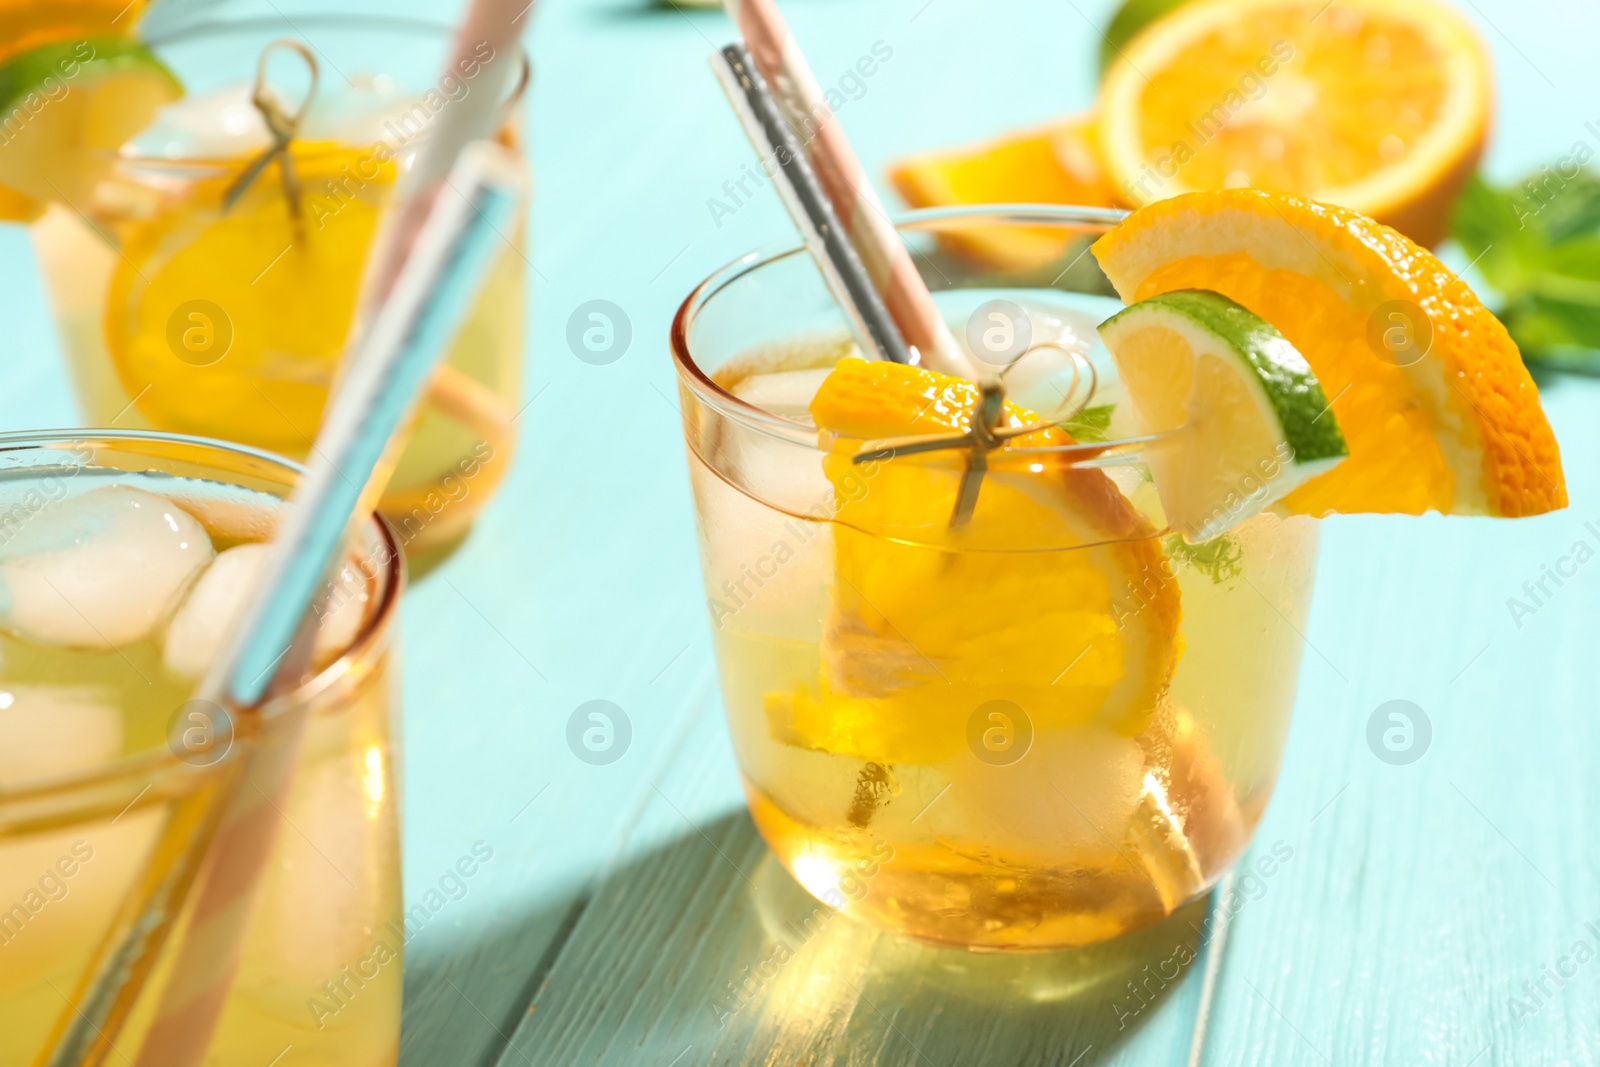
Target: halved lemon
[(1381, 106), (1054, 164), (66, 108), (1055, 598), (1429, 390), (1243, 419)]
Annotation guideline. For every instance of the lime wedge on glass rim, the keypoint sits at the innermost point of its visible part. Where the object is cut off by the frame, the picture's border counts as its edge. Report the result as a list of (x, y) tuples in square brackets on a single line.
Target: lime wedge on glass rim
[(1244, 420), (65, 109)]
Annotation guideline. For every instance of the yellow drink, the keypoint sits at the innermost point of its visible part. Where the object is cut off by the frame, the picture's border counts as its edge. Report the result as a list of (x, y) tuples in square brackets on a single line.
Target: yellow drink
[(1091, 833), (1047, 727), (181, 312), (103, 759)]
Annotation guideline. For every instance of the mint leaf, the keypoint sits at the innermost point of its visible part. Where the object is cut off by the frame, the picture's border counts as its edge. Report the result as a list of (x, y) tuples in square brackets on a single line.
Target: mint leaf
[(1537, 244), (1091, 424)]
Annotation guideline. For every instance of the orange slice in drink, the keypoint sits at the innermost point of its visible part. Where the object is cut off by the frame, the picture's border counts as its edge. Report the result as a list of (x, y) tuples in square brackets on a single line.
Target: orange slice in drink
[(1436, 407), (1379, 105), (1054, 605), (231, 324), (1055, 164)]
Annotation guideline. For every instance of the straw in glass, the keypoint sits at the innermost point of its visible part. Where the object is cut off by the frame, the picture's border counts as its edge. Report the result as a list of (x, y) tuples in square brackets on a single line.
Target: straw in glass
[(808, 205), (432, 293), (778, 57), (234, 832)]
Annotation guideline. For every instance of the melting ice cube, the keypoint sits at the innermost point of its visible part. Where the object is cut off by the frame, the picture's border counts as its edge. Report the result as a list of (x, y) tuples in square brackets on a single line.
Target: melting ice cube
[(224, 123), (1075, 788), (786, 393), (48, 730), (100, 570), (315, 911), (194, 637)]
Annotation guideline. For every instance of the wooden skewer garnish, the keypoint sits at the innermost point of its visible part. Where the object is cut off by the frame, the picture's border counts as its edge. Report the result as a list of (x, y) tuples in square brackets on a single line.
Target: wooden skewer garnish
[(987, 434), (282, 124)]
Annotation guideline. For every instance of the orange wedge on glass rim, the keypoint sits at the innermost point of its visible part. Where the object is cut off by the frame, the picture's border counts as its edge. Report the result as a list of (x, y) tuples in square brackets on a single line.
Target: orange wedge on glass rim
[(1054, 164), (1382, 106), (1437, 409), (927, 622)]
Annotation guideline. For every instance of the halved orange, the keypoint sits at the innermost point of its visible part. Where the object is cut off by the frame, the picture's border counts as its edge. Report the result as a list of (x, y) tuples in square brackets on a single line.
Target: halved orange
[(1379, 105), (1055, 598), (1437, 409), (1054, 164)]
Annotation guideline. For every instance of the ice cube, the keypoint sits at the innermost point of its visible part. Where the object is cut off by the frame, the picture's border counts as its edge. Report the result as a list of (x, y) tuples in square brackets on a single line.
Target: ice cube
[(224, 124), (785, 393), (47, 731), (316, 909), (195, 635), (342, 614), (101, 570), (1046, 381), (368, 109), (215, 125), (1076, 788)]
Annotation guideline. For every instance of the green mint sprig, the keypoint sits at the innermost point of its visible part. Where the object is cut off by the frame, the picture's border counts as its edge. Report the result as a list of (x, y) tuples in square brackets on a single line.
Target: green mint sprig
[(1538, 245)]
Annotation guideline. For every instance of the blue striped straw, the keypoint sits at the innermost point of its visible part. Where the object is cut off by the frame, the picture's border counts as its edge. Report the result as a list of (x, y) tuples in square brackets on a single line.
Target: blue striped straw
[(399, 350), (388, 368)]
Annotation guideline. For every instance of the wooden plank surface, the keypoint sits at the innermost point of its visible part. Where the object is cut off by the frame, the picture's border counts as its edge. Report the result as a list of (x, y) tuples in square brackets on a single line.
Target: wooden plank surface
[(698, 948), (1423, 896)]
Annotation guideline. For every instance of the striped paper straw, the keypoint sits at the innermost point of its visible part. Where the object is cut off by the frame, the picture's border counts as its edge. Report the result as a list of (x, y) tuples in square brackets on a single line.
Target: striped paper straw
[(389, 368), (885, 256), (425, 270), (808, 205)]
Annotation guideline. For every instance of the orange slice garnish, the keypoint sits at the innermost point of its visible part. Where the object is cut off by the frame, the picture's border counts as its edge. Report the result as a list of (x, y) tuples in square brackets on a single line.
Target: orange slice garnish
[(1437, 409), (1055, 598)]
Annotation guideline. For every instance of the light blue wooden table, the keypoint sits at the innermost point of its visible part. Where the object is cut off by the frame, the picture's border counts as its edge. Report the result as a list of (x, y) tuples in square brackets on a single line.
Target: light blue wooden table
[(1421, 902)]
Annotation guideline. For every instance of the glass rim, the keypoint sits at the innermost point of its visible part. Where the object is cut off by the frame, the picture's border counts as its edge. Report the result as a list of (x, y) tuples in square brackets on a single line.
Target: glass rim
[(212, 27), (161, 760), (1069, 217)]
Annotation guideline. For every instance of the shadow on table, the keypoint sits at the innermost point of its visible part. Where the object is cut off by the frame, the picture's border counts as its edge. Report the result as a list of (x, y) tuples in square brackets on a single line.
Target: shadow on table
[(706, 949)]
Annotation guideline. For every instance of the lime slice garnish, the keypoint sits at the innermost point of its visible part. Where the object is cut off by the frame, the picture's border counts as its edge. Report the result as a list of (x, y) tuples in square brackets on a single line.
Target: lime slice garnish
[(1244, 418), (66, 108)]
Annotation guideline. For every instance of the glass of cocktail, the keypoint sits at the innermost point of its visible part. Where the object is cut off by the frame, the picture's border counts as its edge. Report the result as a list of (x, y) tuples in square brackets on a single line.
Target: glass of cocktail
[(123, 556), (192, 303), (1041, 726)]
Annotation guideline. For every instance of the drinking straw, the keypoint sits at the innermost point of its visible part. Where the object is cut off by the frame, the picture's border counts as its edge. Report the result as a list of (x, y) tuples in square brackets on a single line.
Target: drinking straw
[(431, 294), (808, 205), (423, 278), (779, 59)]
